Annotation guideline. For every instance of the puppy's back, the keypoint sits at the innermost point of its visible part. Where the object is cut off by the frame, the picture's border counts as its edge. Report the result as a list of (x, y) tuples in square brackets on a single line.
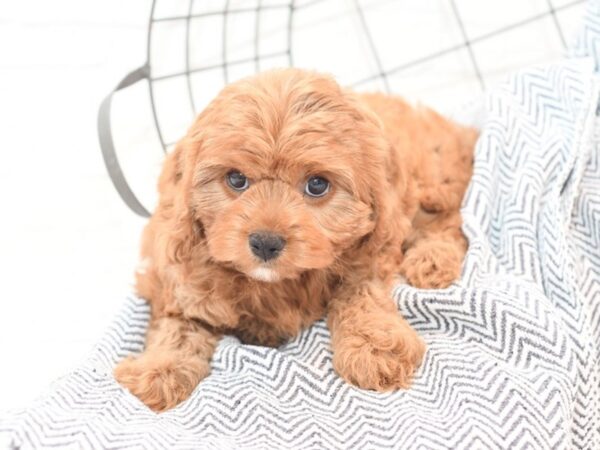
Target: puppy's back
[(436, 152)]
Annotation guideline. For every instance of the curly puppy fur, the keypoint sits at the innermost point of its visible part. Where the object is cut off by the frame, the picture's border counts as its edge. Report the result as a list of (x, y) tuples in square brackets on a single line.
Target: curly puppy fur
[(397, 176)]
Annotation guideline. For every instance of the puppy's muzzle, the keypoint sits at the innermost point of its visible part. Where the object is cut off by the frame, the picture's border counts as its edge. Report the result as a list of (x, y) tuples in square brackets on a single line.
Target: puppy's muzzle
[(266, 245)]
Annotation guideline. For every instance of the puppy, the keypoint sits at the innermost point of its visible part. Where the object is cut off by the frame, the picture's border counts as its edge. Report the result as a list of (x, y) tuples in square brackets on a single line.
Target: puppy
[(290, 199)]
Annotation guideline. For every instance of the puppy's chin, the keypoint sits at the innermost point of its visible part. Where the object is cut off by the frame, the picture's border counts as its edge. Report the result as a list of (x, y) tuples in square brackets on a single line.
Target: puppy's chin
[(266, 274)]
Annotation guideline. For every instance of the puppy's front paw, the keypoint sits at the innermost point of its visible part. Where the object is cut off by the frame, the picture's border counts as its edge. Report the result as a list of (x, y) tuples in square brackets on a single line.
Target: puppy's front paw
[(432, 264), (161, 380), (381, 358)]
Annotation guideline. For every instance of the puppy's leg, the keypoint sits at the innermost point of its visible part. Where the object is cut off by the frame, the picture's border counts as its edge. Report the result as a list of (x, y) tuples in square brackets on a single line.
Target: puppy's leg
[(434, 252), (177, 357), (373, 346)]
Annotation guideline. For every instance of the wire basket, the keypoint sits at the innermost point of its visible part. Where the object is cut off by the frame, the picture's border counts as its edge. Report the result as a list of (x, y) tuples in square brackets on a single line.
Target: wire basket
[(440, 52)]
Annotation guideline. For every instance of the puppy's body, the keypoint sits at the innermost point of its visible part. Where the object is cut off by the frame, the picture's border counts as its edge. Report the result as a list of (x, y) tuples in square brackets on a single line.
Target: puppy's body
[(396, 176)]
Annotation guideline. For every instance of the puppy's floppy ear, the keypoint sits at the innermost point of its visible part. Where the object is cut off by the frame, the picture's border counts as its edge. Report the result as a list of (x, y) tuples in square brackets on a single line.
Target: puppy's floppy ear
[(392, 210), (390, 187), (179, 231)]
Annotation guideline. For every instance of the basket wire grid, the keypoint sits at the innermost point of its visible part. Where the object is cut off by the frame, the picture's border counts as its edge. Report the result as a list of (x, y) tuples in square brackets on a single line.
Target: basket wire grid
[(213, 23)]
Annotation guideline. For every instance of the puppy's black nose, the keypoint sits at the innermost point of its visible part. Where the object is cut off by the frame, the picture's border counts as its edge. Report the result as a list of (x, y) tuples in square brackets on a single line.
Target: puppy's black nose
[(266, 245)]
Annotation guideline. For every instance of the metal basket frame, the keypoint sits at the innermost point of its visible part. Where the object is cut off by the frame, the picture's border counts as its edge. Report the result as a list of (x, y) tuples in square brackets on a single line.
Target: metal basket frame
[(145, 73)]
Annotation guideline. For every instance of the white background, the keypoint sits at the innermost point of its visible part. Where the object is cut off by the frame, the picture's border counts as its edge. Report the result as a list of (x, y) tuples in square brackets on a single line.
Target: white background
[(68, 245)]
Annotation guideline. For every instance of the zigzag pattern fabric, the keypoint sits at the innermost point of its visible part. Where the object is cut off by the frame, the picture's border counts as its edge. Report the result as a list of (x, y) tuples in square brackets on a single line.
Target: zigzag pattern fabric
[(513, 348)]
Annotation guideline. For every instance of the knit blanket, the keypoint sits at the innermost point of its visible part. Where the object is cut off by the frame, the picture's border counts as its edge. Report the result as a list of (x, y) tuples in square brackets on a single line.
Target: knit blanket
[(513, 347)]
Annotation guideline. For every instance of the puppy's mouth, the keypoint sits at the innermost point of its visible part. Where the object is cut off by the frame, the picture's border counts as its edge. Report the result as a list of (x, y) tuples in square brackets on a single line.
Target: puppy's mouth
[(265, 274)]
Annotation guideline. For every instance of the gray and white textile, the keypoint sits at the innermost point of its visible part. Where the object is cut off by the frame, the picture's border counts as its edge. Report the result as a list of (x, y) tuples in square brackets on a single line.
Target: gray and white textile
[(513, 348)]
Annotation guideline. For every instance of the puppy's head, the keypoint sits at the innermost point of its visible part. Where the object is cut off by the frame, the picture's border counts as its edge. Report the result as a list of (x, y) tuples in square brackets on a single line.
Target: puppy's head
[(282, 173)]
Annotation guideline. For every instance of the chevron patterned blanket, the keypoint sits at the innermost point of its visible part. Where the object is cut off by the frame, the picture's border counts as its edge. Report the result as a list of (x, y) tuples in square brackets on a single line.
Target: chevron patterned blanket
[(513, 348)]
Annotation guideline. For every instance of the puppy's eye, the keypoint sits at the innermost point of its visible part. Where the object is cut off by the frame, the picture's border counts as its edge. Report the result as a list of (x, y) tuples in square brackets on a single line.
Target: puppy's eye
[(316, 187), (237, 180)]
